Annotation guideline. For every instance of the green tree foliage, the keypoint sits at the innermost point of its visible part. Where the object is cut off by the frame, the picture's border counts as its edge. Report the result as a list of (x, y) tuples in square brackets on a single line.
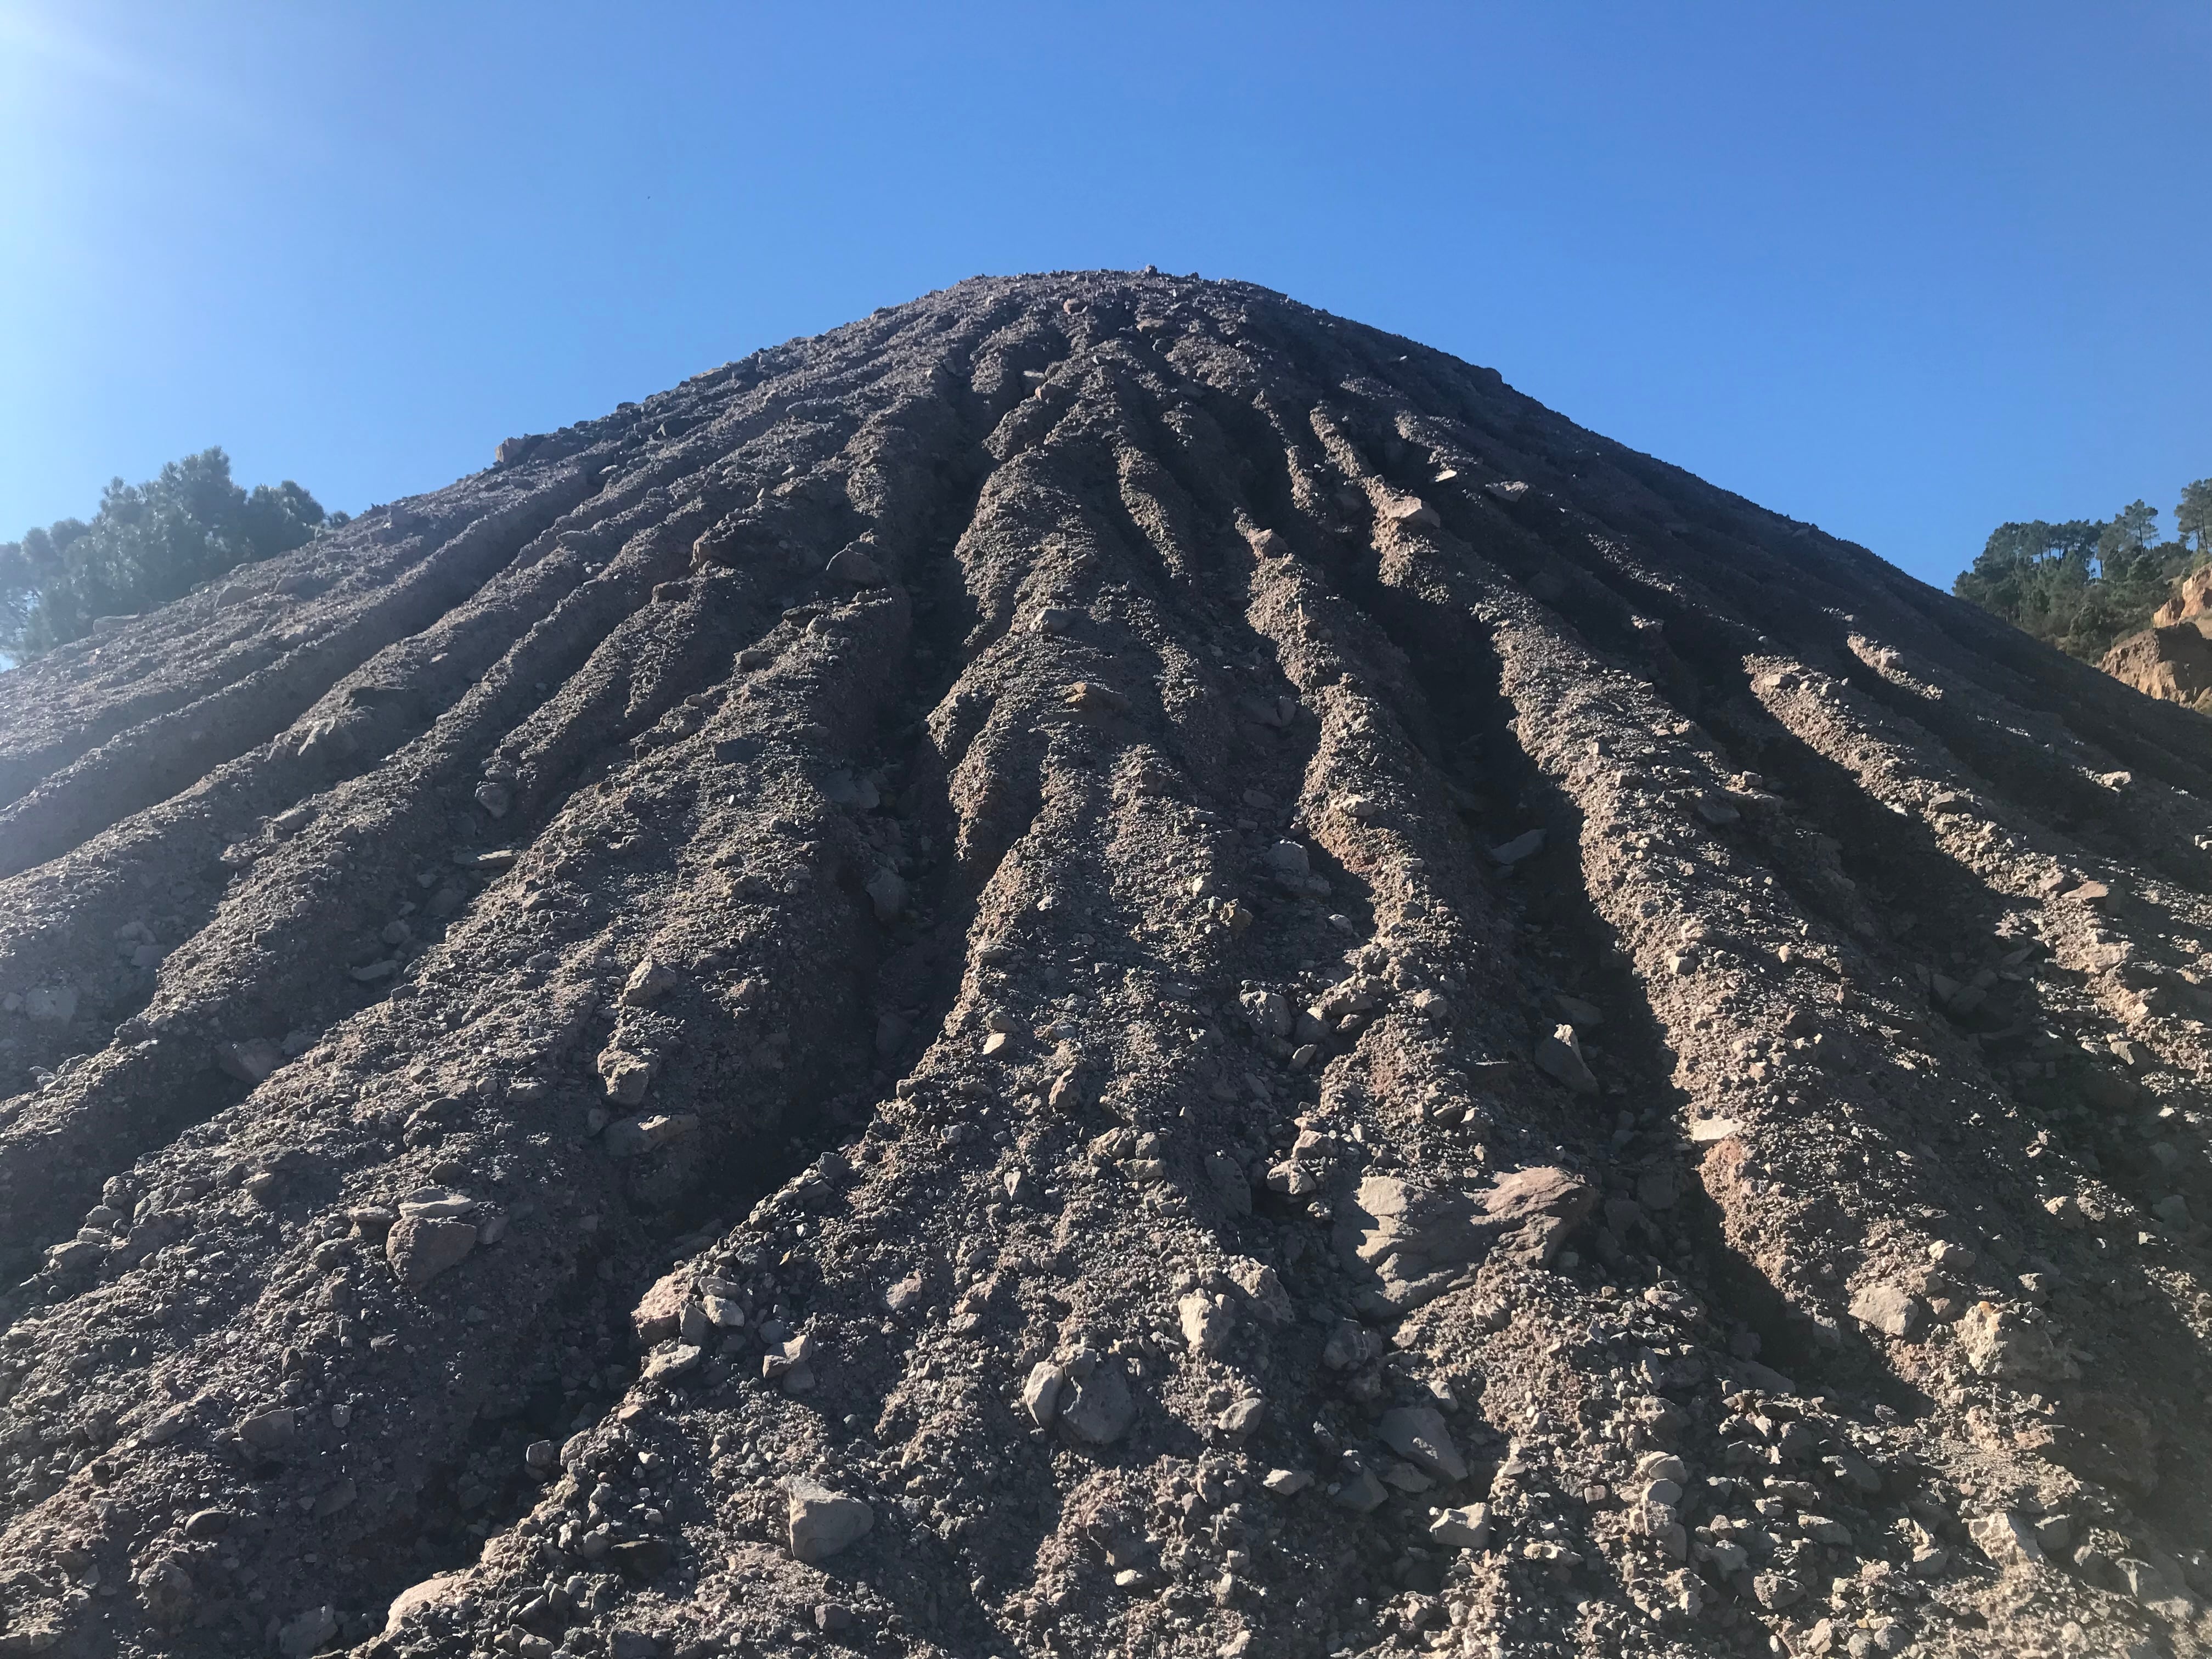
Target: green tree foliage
[(2082, 584), (148, 542)]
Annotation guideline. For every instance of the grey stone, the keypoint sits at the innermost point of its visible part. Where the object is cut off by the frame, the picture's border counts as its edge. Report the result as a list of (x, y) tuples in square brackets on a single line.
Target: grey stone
[(2006, 1539), (1890, 1309), (1098, 1408), (1231, 1181), (648, 983), (822, 1522), (1206, 1321), (1361, 1491), (420, 1248), (1521, 847), (1242, 1416), (855, 565), (667, 1365), (886, 890), (625, 1076), (1997, 1342), (269, 1431), (308, 1632), (1350, 1346), (1417, 1242), (633, 1137), (1418, 1434), (1041, 1393), (1560, 1056), (1465, 1528)]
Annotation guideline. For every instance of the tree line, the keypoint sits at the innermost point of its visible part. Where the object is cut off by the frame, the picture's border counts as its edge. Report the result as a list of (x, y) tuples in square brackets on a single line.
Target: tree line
[(2084, 583), (147, 544)]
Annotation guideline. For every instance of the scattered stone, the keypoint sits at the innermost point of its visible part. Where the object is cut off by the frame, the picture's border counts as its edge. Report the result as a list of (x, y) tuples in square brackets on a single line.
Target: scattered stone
[(1231, 1182), (1241, 1417), (1417, 1242), (1286, 1483), (723, 1313), (1263, 1289), (643, 1560), (208, 1523), (1775, 1591), (1089, 697)]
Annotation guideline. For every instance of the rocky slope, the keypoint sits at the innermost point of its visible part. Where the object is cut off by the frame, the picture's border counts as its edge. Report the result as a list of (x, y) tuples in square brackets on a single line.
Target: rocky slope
[(2171, 663), (1098, 966)]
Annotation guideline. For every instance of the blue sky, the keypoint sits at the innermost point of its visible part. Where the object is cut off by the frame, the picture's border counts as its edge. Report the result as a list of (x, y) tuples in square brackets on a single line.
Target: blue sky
[(1904, 271)]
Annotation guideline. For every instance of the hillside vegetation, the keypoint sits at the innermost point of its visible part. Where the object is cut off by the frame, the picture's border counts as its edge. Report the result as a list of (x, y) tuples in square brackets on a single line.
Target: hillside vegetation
[(2083, 584), (148, 542)]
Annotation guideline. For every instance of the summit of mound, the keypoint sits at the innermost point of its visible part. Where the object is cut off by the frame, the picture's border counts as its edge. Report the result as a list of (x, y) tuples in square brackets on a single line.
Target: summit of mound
[(1100, 965)]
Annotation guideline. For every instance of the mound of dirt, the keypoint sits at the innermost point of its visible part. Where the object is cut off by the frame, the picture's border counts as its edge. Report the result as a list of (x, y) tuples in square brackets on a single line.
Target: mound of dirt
[(1100, 966)]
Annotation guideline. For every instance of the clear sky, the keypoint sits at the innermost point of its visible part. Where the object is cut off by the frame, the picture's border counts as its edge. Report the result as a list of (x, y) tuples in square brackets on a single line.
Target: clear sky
[(1904, 269)]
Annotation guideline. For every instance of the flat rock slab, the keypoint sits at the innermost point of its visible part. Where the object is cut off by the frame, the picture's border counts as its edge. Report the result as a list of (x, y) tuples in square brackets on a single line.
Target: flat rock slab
[(1414, 1242)]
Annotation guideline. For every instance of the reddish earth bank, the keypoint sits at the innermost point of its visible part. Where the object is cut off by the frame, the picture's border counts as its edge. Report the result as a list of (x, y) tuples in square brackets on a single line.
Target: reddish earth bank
[(1100, 966)]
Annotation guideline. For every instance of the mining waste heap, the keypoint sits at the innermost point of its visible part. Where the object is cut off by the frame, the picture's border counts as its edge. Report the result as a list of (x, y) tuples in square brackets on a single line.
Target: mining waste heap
[(1100, 966)]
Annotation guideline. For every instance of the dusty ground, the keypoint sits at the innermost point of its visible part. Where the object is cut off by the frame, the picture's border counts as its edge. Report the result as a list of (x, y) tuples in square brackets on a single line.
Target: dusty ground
[(1098, 967)]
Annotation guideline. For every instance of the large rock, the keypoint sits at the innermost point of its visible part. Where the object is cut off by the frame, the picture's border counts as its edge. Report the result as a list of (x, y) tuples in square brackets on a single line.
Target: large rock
[(1890, 1309), (1415, 1243), (418, 1598), (420, 1248), (823, 1521), (2000, 1342), (659, 1312), (309, 1632), (1418, 1434), (633, 1137), (1098, 1407)]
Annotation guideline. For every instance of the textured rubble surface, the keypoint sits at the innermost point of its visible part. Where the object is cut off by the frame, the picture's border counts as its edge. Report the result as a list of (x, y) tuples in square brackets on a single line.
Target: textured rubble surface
[(1099, 966)]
